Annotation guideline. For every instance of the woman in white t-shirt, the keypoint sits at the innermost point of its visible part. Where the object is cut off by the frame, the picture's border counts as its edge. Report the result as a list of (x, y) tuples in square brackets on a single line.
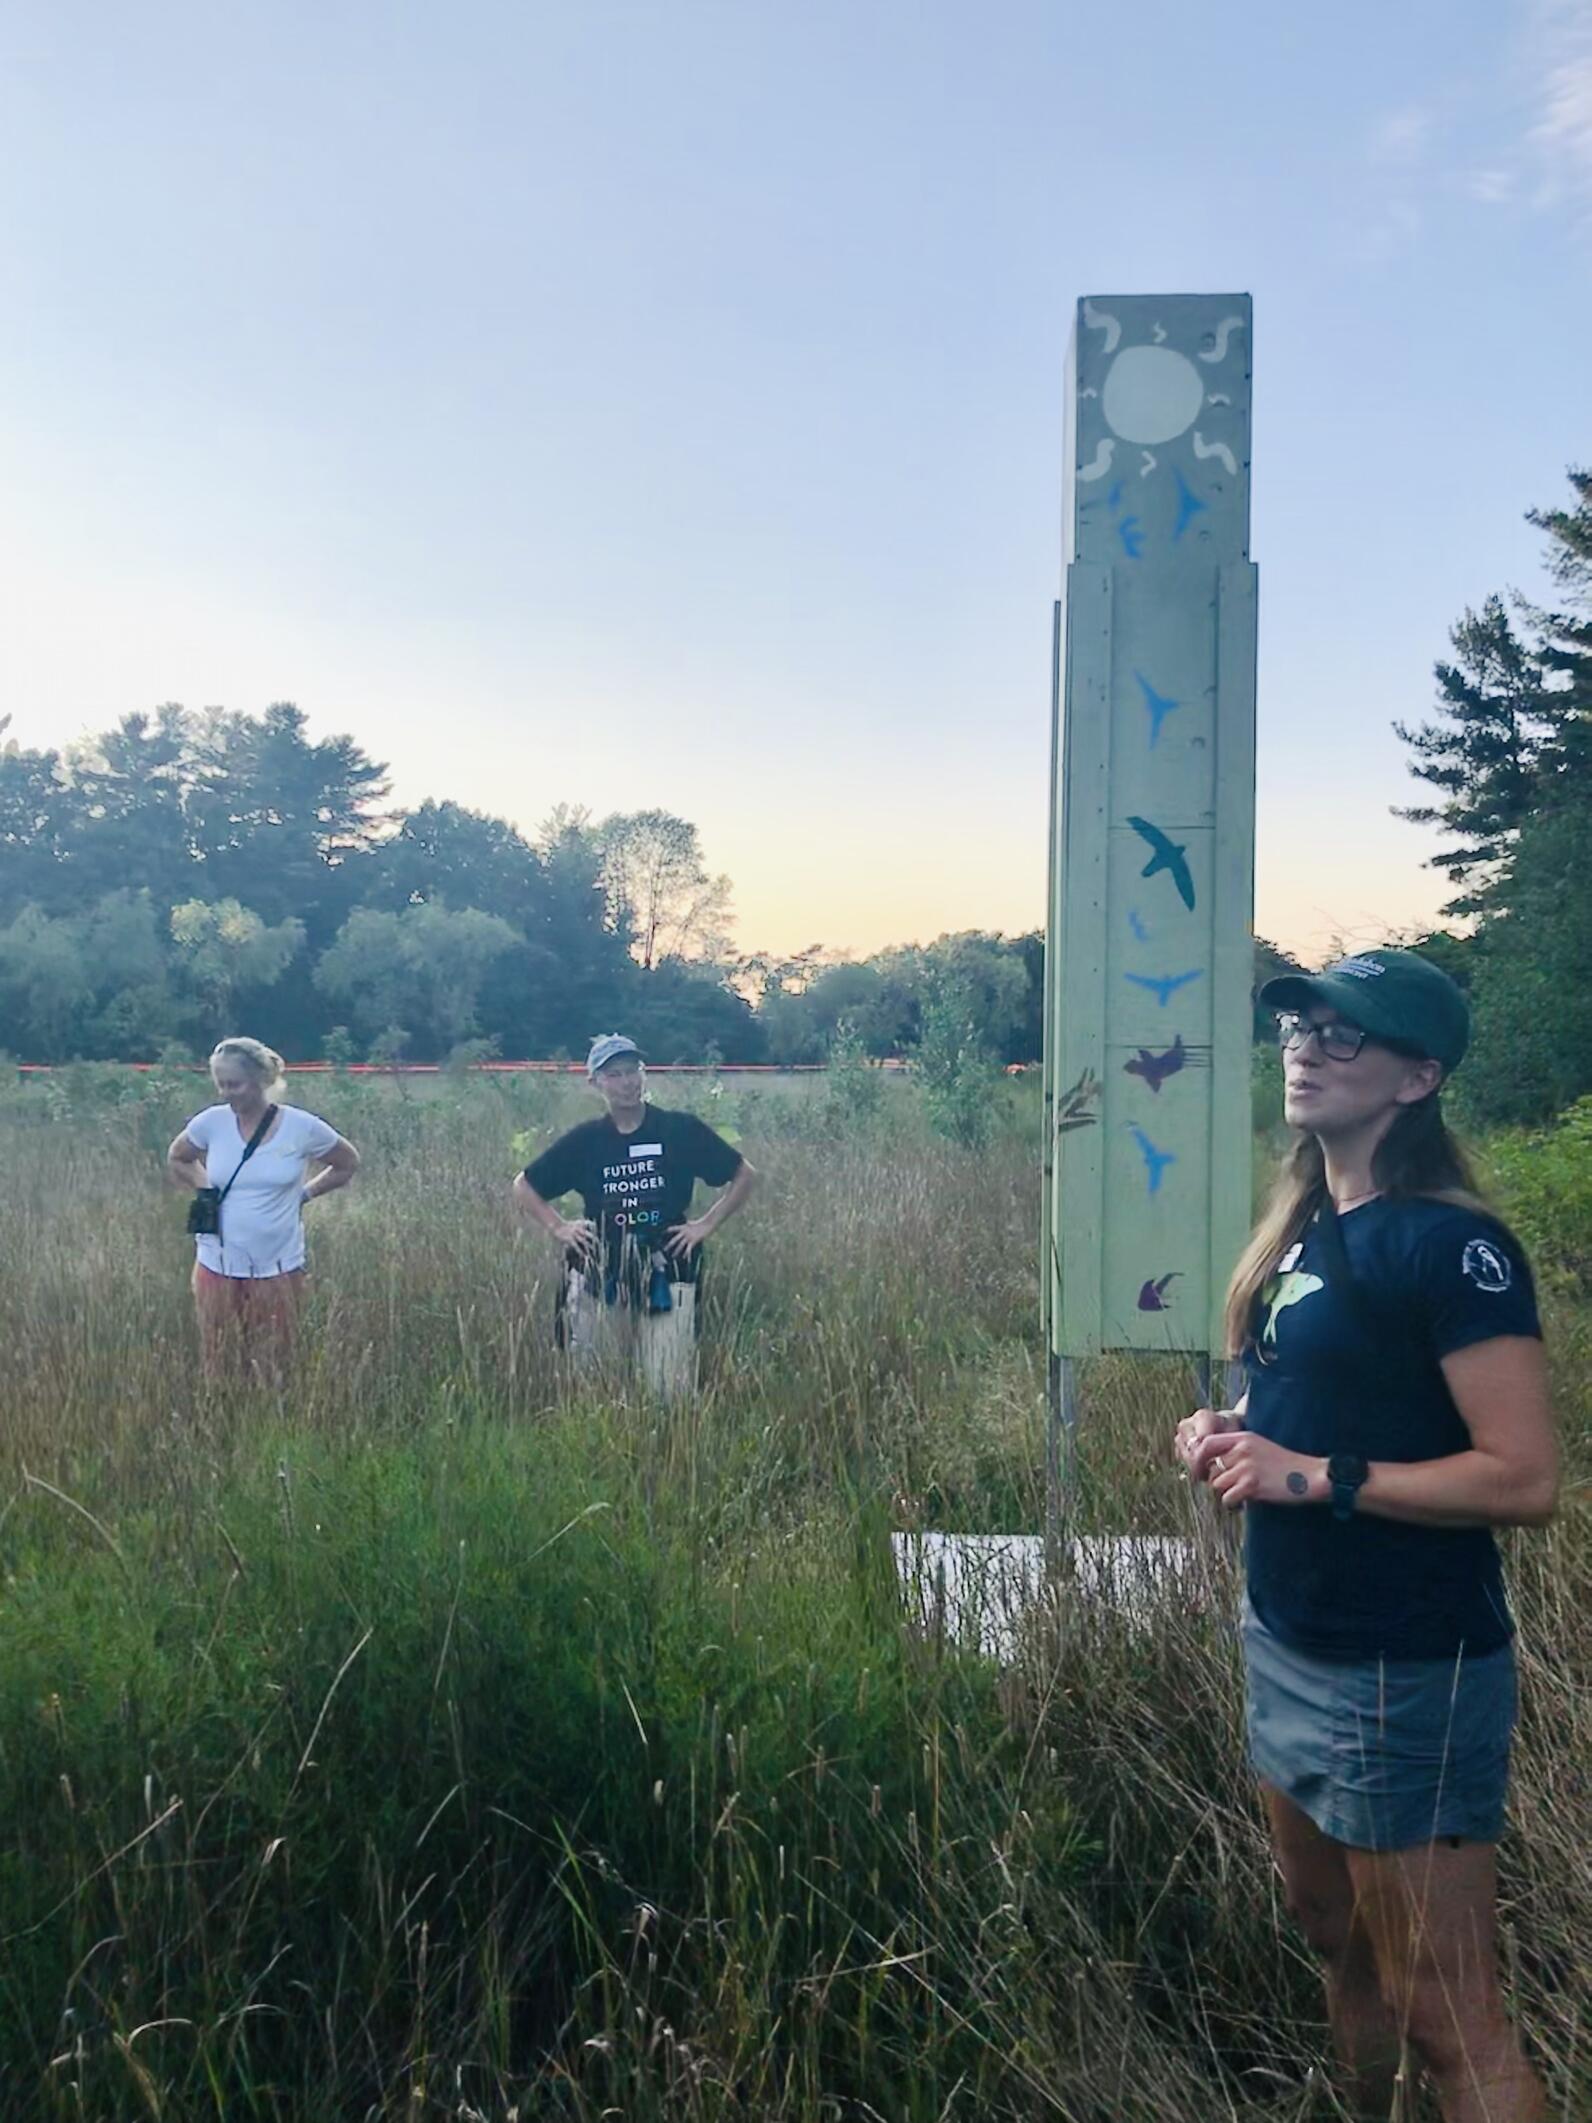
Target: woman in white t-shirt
[(248, 1278)]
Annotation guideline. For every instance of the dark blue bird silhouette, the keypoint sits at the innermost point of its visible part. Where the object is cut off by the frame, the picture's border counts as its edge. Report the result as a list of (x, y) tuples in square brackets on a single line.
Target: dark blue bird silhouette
[(1167, 855)]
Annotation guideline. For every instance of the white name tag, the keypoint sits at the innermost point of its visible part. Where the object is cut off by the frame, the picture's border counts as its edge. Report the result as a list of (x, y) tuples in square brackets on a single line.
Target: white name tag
[(646, 1149)]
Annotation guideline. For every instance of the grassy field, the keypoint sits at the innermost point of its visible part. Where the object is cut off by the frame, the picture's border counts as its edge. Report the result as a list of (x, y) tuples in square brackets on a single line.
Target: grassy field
[(427, 1742)]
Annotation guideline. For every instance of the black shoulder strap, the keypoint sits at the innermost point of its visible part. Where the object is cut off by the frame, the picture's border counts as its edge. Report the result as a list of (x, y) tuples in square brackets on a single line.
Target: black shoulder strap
[(1334, 1254), (1335, 1261), (250, 1147)]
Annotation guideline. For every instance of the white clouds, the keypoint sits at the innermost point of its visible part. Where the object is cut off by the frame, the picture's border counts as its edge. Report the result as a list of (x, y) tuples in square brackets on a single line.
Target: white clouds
[(1496, 187), (1391, 230), (1401, 138), (1397, 150), (1562, 133), (1519, 141)]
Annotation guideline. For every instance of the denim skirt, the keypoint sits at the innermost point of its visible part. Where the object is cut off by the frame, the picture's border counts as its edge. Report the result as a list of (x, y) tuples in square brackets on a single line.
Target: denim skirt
[(1383, 1754)]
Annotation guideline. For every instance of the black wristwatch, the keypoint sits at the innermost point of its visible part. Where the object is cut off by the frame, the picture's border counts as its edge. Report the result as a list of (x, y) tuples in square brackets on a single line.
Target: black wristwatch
[(1346, 1471)]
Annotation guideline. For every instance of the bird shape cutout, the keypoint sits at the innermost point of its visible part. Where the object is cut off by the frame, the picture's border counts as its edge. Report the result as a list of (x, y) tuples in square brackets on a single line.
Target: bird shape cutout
[(1153, 1292), (1283, 1291), (1155, 1160), (1164, 986), (1156, 1068), (1166, 855)]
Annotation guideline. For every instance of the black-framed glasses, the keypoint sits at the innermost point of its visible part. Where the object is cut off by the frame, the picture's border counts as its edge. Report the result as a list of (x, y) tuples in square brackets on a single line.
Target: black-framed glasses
[(1337, 1041)]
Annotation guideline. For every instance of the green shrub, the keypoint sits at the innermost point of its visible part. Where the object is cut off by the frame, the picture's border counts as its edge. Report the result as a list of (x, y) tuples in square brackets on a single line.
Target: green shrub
[(1543, 1178), (955, 1064)]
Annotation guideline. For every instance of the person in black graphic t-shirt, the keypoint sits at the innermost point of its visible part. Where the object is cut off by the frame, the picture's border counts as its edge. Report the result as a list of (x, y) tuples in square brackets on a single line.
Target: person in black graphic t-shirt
[(1396, 1412), (633, 1260)]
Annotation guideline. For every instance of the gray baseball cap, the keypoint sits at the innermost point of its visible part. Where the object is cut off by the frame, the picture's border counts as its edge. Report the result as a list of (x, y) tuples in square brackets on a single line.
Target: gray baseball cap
[(1394, 995), (609, 1046)]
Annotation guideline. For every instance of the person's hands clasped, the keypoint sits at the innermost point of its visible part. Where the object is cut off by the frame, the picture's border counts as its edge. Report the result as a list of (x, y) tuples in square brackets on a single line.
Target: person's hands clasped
[(1241, 1468), (1195, 1428), (579, 1234), (683, 1240)]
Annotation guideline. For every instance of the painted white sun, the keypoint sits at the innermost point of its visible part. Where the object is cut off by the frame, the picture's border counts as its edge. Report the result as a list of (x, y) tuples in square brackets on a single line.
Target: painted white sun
[(1153, 394)]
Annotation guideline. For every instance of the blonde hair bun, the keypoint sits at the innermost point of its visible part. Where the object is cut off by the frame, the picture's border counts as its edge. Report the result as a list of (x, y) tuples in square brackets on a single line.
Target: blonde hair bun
[(266, 1063)]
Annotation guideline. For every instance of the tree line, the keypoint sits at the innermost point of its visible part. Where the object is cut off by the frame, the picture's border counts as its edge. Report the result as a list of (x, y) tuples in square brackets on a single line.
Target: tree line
[(186, 873)]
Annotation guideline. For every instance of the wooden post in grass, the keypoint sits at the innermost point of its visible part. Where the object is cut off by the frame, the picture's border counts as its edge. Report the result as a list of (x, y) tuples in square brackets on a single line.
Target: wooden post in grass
[(1149, 941)]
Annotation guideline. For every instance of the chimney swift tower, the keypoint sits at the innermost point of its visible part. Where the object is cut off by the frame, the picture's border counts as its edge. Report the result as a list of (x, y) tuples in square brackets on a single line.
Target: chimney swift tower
[(1148, 1024)]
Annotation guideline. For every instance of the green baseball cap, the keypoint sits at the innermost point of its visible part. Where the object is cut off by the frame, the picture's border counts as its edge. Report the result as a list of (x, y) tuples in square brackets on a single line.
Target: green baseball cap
[(1394, 995)]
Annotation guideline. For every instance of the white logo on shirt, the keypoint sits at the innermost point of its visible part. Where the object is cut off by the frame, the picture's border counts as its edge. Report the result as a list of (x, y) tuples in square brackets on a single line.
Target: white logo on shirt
[(1488, 1268), (646, 1149)]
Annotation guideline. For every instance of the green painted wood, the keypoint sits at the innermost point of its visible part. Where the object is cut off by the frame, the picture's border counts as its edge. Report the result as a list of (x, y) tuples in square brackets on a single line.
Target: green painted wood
[(1078, 1204), (1147, 1004), (1233, 975)]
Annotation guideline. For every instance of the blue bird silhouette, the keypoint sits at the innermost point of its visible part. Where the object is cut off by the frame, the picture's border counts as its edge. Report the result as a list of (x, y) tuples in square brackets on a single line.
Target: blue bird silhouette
[(1167, 855), (1189, 505), (1157, 703), (1155, 1161), (1165, 988), (1136, 924), (1131, 536)]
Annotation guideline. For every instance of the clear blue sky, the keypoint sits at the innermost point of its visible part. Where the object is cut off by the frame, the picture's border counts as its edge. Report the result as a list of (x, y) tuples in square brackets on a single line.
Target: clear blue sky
[(661, 404)]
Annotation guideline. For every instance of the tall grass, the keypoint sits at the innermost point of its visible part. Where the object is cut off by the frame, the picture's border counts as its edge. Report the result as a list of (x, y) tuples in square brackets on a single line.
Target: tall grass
[(427, 1740)]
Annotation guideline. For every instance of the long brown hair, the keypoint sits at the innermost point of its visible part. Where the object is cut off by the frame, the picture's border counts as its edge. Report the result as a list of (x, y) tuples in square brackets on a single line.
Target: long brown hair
[(1417, 1156)]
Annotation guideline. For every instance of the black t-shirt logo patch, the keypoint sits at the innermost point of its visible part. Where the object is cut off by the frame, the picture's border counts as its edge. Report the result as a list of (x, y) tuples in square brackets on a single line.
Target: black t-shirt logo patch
[(1487, 1266)]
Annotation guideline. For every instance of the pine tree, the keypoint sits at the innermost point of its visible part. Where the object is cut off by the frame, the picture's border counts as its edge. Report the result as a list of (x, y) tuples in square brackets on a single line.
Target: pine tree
[(1532, 951), (1566, 638), (1482, 756), (126, 793), (35, 829), (280, 821)]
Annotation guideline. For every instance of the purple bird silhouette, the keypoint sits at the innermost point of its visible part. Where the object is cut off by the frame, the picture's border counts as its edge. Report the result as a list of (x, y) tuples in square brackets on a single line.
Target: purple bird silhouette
[(1156, 1068), (1152, 1295)]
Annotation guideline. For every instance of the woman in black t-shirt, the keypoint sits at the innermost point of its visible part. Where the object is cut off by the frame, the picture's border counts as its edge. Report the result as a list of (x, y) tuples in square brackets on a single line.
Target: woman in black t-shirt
[(1396, 1411)]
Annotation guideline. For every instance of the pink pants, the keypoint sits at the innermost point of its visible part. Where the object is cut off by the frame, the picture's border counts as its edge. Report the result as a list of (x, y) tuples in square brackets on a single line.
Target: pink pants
[(246, 1324)]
